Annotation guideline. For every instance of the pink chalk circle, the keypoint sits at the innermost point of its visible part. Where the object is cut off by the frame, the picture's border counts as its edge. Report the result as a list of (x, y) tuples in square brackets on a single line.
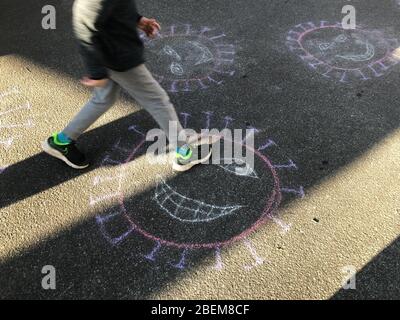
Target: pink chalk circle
[(272, 203)]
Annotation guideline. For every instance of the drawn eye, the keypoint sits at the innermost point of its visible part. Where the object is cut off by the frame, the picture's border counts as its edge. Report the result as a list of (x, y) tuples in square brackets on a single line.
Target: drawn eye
[(171, 52), (341, 38), (325, 46), (201, 54), (177, 69), (239, 168)]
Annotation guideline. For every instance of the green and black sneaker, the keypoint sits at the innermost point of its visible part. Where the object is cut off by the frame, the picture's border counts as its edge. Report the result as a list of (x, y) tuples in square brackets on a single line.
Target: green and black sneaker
[(189, 155), (67, 152)]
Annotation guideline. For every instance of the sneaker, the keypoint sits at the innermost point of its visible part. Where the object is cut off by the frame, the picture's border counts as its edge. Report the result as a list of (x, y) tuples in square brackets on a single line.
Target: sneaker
[(188, 156), (68, 153)]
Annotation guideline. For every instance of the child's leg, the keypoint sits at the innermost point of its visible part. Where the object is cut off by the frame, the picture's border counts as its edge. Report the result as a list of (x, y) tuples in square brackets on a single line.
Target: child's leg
[(141, 85), (101, 101)]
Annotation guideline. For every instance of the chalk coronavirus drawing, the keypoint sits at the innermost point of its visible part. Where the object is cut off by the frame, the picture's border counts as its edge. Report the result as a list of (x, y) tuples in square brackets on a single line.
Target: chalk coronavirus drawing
[(183, 58), (15, 118), (343, 55), (180, 214)]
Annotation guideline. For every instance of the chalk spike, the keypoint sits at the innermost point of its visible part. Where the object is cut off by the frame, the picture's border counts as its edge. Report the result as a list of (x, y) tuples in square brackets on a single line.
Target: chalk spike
[(101, 221), (152, 255), (295, 48), (218, 260), (279, 222), (382, 67), (106, 218), (228, 120), (21, 107), (295, 33), (218, 37), (324, 23), (290, 165), (363, 76), (209, 115), (252, 131), (181, 265), (343, 77), (306, 26), (9, 92), (28, 124), (187, 86), (7, 143), (99, 179), (257, 259), (185, 116), (188, 29), (173, 88), (299, 192), (214, 81), (94, 200), (201, 84), (222, 61), (315, 64), (225, 46), (117, 147), (204, 30), (229, 73), (325, 74), (3, 168), (267, 145), (135, 128)]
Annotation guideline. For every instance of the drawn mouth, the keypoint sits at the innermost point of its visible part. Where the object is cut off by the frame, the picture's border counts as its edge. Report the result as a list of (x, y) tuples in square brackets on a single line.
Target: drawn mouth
[(368, 55), (186, 209)]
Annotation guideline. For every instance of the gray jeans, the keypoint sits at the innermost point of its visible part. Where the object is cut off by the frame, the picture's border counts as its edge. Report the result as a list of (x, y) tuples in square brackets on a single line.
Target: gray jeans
[(141, 85)]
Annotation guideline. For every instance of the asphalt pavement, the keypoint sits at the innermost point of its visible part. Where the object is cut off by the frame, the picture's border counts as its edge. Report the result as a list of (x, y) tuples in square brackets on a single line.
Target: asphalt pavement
[(321, 203)]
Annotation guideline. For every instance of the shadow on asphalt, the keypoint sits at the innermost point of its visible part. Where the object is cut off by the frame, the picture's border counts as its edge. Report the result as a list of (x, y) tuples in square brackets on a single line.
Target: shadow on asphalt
[(36, 172), (105, 258), (379, 279), (322, 126)]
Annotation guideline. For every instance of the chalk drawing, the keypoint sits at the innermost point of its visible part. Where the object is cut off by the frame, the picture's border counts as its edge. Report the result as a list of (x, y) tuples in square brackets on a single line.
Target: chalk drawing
[(186, 209), (257, 259), (3, 168), (183, 58), (182, 211), (343, 55), (218, 260), (182, 262), (9, 92), (15, 118), (238, 167), (152, 255)]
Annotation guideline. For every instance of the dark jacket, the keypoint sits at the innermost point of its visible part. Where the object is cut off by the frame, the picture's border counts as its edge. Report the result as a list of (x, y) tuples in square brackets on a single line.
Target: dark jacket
[(107, 35)]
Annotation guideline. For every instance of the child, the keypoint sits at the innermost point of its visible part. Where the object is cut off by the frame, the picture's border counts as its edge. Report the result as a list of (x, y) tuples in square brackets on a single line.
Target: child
[(113, 55)]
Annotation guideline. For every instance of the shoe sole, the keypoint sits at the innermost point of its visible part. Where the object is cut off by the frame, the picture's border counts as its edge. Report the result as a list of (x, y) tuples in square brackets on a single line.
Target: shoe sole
[(181, 168), (57, 154)]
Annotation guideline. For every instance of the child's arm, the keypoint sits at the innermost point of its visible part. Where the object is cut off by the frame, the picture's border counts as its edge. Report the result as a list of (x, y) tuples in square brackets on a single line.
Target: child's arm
[(88, 16)]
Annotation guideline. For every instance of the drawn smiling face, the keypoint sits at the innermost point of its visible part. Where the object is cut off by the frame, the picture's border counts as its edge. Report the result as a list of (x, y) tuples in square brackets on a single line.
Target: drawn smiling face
[(211, 205), (182, 58), (186, 209), (187, 56), (351, 48), (339, 48)]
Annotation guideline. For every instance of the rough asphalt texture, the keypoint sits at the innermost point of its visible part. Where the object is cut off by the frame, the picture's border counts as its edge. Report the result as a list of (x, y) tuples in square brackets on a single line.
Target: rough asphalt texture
[(344, 139)]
